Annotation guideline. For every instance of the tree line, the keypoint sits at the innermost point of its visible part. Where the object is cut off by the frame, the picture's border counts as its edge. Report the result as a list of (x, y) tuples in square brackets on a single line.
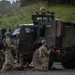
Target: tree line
[(57, 2), (26, 2), (50, 2)]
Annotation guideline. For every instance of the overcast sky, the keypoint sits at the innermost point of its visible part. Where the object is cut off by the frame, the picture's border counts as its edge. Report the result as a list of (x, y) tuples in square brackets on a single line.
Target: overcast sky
[(9, 0)]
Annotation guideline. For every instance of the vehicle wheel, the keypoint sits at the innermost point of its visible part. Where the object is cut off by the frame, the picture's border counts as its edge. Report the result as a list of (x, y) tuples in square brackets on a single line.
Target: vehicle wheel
[(35, 59), (51, 60), (69, 64)]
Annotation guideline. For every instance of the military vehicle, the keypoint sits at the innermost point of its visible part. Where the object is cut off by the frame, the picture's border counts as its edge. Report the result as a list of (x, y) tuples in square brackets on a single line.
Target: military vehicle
[(59, 35)]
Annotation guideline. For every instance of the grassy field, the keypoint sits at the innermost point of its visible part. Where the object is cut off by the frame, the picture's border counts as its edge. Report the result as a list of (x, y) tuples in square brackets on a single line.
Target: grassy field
[(23, 14), (57, 63)]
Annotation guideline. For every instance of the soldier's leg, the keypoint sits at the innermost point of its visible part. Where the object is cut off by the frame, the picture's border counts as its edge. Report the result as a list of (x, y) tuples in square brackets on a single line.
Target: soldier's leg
[(5, 67), (21, 58), (45, 65), (12, 65), (11, 62), (19, 64), (35, 68), (26, 65)]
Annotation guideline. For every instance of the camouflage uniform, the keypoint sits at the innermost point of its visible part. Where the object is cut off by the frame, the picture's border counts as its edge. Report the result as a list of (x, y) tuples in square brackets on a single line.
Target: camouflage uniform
[(44, 57), (19, 54), (42, 10), (9, 61)]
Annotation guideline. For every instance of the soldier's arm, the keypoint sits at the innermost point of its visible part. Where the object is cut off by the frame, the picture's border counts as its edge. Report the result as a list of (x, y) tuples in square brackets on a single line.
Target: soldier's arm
[(9, 43), (46, 50)]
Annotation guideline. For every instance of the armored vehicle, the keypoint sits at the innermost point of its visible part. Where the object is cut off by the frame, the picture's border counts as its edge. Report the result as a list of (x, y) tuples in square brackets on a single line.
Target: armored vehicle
[(59, 35)]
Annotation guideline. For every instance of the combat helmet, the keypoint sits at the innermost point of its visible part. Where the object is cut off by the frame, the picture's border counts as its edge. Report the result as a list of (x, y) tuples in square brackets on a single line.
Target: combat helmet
[(7, 34), (43, 9), (43, 41)]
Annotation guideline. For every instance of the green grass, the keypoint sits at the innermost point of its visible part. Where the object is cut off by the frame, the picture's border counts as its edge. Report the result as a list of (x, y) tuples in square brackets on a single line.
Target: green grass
[(64, 13), (23, 14), (57, 63)]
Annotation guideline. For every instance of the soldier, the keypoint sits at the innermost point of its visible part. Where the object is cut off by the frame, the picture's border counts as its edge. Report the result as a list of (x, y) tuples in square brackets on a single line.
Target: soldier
[(9, 61), (42, 10), (43, 57), (17, 51), (19, 56)]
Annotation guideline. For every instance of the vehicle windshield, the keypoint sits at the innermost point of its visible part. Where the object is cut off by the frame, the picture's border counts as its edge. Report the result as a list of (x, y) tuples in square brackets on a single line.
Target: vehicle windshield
[(16, 31), (44, 18), (29, 30)]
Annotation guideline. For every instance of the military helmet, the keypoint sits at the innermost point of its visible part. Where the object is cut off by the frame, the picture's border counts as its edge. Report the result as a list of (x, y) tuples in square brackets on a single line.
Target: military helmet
[(43, 9), (7, 34), (43, 41)]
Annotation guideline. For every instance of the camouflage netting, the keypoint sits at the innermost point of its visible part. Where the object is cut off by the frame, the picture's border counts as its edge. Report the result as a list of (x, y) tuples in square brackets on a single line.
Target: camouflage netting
[(69, 39)]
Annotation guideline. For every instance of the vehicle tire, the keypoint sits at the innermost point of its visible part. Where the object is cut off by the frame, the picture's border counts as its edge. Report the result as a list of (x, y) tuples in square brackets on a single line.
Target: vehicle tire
[(69, 64)]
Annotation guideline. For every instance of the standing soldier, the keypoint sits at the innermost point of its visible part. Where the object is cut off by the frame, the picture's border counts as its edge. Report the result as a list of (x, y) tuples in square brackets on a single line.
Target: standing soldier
[(19, 56), (17, 51), (43, 57), (9, 61), (42, 11)]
